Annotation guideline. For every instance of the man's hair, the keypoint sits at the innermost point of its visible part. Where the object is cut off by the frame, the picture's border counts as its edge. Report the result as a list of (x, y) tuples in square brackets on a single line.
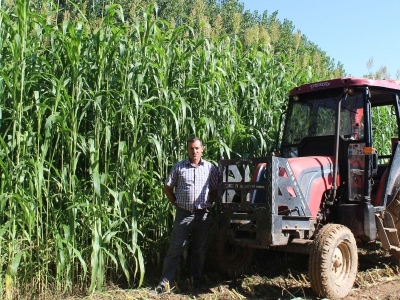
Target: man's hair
[(192, 140)]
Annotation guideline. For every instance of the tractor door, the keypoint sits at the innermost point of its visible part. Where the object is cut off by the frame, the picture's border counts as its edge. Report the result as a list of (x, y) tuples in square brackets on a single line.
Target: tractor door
[(356, 156), (352, 159)]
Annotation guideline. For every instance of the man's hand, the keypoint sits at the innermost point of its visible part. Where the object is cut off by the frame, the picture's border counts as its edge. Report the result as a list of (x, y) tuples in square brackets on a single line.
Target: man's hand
[(169, 192), (212, 195)]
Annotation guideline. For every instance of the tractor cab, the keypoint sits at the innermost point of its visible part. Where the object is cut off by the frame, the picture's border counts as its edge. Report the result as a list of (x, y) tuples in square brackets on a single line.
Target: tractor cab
[(354, 121)]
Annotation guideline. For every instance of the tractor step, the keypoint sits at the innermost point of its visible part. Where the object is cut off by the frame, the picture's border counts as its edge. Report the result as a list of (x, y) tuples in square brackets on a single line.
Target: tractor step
[(382, 235), (387, 232)]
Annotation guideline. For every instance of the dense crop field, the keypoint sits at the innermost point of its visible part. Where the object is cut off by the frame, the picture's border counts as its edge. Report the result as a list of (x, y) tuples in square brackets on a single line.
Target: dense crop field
[(94, 112)]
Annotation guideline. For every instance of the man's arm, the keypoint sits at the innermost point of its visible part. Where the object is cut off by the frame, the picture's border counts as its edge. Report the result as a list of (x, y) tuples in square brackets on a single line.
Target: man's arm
[(169, 192), (213, 193)]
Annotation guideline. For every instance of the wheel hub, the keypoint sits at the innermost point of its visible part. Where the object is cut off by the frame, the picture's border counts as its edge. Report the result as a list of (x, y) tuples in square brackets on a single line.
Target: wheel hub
[(337, 259), (337, 264)]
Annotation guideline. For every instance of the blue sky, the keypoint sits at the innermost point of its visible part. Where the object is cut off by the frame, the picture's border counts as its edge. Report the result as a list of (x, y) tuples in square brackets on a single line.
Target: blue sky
[(349, 31)]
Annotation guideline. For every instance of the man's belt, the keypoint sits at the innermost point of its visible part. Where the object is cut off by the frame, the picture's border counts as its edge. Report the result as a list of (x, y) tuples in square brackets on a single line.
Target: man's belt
[(195, 211), (199, 211)]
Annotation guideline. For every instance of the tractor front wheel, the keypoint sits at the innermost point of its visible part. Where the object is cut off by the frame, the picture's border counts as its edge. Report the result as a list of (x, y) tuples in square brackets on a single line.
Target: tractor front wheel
[(333, 262)]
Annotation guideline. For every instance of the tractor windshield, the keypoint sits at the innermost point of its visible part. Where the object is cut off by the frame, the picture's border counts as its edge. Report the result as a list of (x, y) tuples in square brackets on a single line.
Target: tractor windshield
[(314, 115)]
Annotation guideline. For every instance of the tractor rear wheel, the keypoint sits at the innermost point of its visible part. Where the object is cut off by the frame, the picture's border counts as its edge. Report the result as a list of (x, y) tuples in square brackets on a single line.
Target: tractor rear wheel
[(229, 259), (333, 262)]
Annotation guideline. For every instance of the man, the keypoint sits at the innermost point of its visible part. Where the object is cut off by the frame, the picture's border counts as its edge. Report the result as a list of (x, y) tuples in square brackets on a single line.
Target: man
[(190, 187)]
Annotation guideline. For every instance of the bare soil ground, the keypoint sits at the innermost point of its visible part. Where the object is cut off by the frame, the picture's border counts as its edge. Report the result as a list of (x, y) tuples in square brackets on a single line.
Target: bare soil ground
[(388, 289), (276, 276)]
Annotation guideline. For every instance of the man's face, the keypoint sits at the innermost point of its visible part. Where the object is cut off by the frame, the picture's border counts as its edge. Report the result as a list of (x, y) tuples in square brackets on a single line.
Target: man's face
[(195, 151)]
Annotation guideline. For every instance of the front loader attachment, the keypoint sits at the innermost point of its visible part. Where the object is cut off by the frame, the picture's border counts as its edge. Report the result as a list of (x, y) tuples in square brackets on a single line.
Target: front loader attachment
[(261, 203)]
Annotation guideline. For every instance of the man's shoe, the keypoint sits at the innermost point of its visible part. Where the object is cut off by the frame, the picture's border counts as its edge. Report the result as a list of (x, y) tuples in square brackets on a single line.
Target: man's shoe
[(159, 290), (162, 287)]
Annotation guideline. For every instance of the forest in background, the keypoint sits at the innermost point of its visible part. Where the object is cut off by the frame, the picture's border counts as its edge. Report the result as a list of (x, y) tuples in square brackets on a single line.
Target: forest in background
[(98, 99)]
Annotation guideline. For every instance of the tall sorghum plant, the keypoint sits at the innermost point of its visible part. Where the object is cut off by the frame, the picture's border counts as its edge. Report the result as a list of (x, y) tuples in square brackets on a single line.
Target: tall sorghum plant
[(94, 115)]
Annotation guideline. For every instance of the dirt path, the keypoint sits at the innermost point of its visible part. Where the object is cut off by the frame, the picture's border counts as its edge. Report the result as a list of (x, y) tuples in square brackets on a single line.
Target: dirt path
[(285, 277), (387, 290), (275, 276)]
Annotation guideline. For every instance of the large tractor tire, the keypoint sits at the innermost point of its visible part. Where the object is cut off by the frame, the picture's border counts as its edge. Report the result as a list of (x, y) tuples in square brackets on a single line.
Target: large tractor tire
[(333, 262), (228, 259)]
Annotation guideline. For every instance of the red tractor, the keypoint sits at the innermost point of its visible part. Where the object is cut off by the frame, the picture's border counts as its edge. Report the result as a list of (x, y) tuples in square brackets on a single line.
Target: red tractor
[(330, 187)]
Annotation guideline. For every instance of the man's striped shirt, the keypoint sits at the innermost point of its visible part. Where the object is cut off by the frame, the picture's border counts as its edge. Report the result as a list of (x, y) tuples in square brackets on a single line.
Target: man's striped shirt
[(193, 183)]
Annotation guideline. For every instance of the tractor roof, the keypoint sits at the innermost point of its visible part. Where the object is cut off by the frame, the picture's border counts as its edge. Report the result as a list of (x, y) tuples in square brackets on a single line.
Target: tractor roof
[(387, 84)]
